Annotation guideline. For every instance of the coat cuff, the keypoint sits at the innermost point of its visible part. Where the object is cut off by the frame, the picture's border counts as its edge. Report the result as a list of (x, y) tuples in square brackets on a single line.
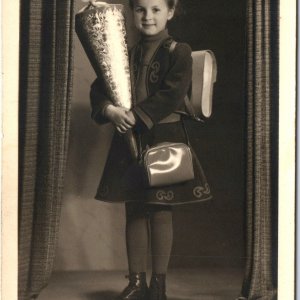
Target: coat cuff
[(98, 112), (143, 117)]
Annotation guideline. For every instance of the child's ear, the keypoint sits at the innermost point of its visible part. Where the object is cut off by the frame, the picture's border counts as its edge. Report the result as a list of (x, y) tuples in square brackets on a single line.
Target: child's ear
[(171, 13)]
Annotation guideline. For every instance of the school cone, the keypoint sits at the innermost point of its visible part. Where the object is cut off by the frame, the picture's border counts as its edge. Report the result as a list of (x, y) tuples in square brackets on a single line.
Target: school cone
[(101, 30)]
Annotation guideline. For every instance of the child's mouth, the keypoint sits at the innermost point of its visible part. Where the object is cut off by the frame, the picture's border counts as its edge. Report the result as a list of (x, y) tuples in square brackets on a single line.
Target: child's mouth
[(148, 25)]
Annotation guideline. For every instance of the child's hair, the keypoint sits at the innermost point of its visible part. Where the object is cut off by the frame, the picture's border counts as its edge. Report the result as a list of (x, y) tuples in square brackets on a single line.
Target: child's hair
[(171, 3)]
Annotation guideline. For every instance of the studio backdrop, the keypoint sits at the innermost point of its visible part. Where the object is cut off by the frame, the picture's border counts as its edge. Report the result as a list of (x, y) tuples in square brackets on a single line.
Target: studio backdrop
[(92, 232)]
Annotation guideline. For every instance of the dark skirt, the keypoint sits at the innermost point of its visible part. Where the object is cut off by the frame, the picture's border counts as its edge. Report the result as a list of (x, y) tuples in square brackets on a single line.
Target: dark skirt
[(123, 180)]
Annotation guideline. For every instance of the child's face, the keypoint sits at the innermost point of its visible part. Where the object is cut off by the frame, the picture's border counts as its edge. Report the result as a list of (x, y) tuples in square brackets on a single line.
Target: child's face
[(151, 16)]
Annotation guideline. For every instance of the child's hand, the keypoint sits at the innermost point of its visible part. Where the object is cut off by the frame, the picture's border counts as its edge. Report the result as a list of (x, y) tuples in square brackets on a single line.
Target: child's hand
[(120, 117), (131, 116)]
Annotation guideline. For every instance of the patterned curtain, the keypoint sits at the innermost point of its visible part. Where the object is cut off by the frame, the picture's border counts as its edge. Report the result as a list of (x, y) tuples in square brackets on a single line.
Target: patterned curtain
[(262, 121), (44, 113)]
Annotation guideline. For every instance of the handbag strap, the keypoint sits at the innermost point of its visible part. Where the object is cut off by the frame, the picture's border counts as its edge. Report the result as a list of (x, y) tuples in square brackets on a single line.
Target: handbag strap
[(140, 150), (185, 131)]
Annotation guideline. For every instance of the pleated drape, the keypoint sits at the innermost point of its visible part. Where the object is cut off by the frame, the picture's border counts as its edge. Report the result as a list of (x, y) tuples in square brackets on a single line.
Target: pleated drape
[(262, 154), (46, 68)]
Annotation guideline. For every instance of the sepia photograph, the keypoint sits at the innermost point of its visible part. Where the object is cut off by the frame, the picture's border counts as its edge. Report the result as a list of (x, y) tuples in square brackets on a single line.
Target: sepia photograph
[(148, 153)]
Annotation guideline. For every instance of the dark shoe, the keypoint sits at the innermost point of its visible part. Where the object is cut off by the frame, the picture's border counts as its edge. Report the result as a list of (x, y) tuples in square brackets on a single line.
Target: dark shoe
[(137, 288), (157, 289)]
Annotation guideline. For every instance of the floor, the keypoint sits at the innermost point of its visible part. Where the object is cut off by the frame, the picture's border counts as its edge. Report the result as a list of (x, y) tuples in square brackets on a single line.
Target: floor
[(183, 284)]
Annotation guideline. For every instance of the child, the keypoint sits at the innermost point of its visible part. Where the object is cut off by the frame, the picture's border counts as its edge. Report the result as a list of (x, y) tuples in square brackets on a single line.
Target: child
[(161, 78)]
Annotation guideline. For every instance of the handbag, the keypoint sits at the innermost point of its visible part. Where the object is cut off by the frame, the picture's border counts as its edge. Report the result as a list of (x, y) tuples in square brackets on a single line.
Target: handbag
[(168, 163)]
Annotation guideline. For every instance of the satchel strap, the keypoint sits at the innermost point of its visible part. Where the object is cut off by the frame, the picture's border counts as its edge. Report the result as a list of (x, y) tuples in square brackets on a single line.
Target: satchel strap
[(172, 46), (189, 107)]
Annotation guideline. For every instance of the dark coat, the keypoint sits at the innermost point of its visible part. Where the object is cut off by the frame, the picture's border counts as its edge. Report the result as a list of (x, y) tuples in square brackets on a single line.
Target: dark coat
[(168, 80)]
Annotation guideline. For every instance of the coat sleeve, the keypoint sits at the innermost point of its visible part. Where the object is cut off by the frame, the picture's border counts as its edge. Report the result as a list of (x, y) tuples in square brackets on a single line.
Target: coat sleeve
[(174, 88), (99, 101)]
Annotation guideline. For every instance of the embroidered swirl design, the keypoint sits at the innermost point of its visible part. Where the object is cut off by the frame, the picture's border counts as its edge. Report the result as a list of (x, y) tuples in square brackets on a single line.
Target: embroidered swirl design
[(164, 195), (207, 189), (198, 191), (155, 67)]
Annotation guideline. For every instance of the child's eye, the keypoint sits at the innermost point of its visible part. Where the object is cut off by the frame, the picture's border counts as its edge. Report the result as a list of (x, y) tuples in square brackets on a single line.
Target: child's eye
[(139, 10), (155, 10)]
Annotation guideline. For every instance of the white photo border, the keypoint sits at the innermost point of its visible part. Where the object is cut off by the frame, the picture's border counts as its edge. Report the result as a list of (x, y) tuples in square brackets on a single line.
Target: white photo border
[(10, 11)]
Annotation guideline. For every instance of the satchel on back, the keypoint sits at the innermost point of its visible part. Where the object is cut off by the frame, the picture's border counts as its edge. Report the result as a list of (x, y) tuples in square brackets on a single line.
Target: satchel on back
[(199, 104)]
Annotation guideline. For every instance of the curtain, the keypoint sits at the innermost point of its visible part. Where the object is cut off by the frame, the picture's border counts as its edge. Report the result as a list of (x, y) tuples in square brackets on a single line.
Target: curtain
[(44, 113), (262, 142)]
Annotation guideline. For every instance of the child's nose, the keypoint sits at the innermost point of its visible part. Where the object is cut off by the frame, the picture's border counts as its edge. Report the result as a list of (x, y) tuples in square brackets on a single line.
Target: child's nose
[(148, 15)]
